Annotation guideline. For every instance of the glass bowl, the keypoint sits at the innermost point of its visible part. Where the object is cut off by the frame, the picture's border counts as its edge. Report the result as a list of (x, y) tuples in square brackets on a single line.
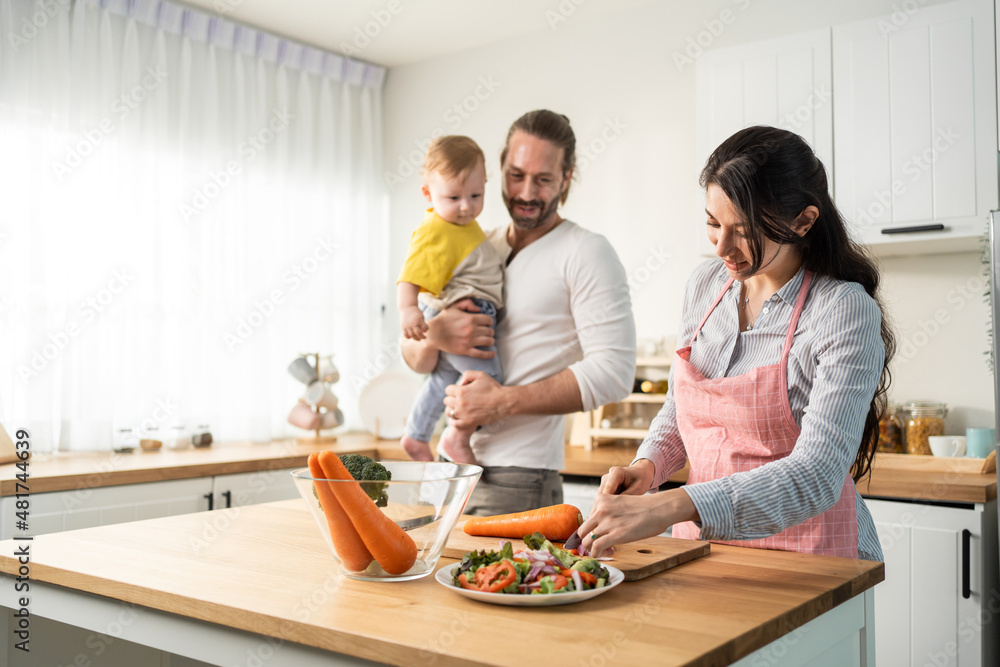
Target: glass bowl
[(424, 499)]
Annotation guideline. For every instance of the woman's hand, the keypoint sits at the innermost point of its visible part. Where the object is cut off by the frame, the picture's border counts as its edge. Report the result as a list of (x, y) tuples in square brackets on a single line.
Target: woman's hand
[(634, 480), (621, 519), (477, 399), (460, 329)]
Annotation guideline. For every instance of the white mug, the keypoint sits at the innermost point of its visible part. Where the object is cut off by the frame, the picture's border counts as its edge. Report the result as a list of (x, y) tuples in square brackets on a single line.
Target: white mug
[(319, 394), (302, 370), (947, 445), (327, 371)]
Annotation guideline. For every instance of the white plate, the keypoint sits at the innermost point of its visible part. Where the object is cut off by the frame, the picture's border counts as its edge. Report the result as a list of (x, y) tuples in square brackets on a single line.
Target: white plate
[(385, 403), (445, 575)]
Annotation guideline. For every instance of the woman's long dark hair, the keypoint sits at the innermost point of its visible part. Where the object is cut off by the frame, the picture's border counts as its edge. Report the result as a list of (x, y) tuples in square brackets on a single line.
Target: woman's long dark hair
[(771, 176)]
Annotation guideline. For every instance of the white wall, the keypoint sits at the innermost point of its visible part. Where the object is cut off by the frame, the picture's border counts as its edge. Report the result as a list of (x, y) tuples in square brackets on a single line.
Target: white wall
[(638, 183)]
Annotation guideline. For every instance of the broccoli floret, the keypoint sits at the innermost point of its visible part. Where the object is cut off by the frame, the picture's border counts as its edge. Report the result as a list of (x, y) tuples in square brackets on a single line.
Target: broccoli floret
[(364, 468)]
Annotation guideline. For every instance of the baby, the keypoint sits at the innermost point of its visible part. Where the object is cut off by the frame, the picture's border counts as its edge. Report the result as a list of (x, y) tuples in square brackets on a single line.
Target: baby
[(449, 259)]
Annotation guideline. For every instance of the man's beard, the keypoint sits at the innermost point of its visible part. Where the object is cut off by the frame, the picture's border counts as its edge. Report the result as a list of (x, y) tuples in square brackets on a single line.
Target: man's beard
[(546, 210)]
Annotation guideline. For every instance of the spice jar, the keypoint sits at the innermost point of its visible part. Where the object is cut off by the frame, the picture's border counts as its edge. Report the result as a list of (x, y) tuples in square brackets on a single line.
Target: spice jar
[(890, 432), (922, 419), (178, 438), (202, 436), (124, 441)]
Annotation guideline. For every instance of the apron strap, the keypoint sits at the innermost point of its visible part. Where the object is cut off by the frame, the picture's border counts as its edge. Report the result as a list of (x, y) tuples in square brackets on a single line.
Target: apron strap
[(718, 298), (799, 303)]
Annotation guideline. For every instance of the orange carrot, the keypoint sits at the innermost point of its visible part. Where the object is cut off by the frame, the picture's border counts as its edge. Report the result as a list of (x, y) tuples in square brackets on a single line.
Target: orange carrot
[(392, 548), (350, 548), (556, 522)]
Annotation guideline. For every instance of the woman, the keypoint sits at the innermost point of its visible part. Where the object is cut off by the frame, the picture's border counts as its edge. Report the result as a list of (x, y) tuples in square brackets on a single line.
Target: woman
[(775, 397)]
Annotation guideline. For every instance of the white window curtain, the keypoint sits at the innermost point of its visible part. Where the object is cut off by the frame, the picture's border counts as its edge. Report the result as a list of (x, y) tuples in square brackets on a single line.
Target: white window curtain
[(187, 204)]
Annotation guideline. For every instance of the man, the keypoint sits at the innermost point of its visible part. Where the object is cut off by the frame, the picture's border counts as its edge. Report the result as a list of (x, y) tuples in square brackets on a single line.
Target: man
[(566, 337)]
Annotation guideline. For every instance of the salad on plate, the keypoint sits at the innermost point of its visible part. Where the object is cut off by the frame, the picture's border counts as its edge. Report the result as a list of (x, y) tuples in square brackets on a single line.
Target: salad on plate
[(542, 568)]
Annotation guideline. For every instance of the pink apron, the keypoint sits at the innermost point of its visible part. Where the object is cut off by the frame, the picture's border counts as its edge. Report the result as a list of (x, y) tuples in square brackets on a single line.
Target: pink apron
[(734, 424)]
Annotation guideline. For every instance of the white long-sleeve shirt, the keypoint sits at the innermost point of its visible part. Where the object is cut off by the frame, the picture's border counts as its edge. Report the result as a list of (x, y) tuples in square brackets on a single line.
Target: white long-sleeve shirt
[(567, 306), (833, 368)]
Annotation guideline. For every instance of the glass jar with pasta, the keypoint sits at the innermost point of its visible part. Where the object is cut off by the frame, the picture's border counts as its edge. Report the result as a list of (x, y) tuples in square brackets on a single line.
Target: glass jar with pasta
[(890, 432), (921, 420)]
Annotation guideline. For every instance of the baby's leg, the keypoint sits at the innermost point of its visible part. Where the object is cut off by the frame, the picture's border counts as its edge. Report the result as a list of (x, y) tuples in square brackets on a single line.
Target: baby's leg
[(416, 450), (426, 411), (455, 444)]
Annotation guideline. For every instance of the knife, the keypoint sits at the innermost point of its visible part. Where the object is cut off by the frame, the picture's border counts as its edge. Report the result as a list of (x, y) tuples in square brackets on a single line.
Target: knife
[(410, 524)]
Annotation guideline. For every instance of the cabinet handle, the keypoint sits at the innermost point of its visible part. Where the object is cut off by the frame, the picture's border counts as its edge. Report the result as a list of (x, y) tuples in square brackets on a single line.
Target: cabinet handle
[(966, 578), (210, 497), (915, 228), (228, 495)]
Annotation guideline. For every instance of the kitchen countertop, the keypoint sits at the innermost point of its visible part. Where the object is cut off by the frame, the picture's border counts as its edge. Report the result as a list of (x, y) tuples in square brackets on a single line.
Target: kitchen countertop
[(889, 478), (264, 571), (69, 471)]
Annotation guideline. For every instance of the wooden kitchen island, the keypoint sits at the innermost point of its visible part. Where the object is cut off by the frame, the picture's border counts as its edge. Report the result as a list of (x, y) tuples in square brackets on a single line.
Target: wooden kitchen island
[(261, 588)]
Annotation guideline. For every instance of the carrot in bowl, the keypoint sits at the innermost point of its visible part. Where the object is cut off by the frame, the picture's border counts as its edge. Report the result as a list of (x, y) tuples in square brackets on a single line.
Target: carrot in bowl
[(556, 522), (391, 547), (346, 542)]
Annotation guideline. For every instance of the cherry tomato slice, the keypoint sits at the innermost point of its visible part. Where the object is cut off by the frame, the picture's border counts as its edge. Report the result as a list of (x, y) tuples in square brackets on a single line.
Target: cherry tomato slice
[(586, 577), (558, 581), (496, 577)]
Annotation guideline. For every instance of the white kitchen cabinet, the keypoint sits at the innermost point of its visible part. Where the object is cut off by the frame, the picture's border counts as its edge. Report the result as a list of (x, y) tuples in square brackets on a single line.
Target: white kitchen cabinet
[(784, 82), (940, 595), (915, 125), (251, 488), (83, 508), (580, 492)]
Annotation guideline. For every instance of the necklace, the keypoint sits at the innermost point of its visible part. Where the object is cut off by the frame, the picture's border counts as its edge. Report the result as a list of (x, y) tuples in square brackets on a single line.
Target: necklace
[(751, 318)]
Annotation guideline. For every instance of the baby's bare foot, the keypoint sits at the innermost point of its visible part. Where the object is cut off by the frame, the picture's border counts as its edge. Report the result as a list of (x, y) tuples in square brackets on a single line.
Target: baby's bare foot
[(416, 450), (455, 445)]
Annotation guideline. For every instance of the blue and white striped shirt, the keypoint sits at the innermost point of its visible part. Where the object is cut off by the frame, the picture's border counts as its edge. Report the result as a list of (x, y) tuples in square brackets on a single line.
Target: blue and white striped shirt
[(833, 369)]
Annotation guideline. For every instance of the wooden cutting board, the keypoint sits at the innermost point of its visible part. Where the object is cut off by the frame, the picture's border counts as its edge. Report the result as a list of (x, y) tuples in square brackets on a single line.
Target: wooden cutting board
[(637, 560)]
